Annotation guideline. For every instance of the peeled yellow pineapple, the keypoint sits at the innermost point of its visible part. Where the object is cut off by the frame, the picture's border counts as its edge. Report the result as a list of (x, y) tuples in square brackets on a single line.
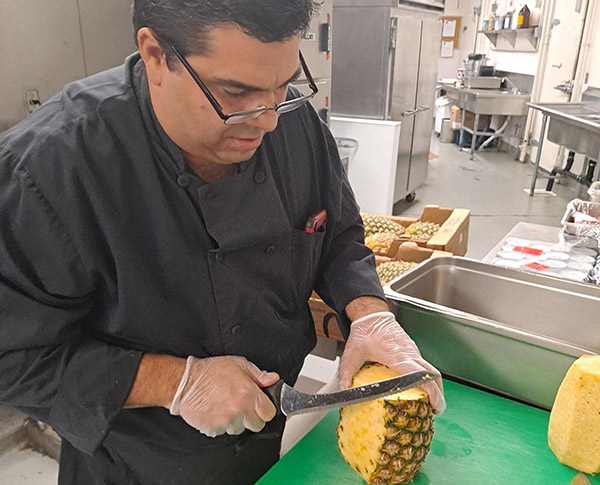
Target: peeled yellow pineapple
[(574, 428), (386, 440), (380, 242)]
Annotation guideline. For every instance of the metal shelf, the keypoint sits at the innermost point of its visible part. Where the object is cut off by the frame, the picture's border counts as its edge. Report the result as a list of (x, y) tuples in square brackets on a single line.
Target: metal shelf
[(511, 35)]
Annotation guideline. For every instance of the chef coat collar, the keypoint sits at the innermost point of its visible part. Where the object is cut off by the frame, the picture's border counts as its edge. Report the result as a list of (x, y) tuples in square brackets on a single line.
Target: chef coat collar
[(139, 81)]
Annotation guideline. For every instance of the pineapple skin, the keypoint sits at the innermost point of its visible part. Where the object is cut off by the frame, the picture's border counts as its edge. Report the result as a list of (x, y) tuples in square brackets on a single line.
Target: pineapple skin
[(391, 269), (375, 223), (386, 440), (422, 231)]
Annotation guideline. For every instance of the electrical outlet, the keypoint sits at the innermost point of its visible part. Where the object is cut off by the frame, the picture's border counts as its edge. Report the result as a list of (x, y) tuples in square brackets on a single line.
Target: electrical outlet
[(32, 99)]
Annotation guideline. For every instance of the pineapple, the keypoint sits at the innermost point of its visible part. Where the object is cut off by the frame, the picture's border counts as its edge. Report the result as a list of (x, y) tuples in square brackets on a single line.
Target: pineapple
[(574, 427), (386, 440), (391, 269), (380, 242), (422, 231), (375, 223)]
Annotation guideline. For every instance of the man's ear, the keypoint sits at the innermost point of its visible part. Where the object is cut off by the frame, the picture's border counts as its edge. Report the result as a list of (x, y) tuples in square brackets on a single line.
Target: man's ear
[(153, 56)]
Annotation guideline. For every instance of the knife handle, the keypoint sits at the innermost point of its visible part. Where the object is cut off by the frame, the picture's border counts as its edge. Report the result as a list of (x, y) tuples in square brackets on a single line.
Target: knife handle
[(274, 393)]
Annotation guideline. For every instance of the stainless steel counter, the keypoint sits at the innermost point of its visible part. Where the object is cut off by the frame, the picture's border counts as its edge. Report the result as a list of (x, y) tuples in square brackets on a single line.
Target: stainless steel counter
[(501, 102), (576, 126)]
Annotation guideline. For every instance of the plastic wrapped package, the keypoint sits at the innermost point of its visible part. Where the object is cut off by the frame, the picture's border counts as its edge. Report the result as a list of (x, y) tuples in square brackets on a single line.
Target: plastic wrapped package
[(594, 192), (582, 219), (570, 258)]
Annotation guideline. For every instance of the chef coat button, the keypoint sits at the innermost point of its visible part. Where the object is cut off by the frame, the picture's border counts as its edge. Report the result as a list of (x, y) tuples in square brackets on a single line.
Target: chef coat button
[(219, 257), (183, 180), (270, 249), (236, 330), (211, 195), (259, 177)]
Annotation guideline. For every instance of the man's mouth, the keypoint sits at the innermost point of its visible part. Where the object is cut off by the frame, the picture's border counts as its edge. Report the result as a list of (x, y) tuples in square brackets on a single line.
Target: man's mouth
[(246, 142)]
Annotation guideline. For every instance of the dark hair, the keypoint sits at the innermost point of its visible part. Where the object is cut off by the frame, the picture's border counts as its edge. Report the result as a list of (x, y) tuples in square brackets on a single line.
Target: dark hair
[(183, 23)]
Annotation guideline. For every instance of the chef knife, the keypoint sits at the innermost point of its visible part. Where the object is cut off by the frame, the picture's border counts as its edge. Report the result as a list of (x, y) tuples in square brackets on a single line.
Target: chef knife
[(290, 401)]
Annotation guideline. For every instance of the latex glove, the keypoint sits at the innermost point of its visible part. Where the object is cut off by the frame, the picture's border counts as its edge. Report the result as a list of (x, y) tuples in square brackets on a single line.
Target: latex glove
[(378, 337), (220, 395)]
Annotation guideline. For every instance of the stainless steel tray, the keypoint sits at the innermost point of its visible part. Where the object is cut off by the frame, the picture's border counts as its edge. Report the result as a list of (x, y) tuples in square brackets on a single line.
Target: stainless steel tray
[(511, 331)]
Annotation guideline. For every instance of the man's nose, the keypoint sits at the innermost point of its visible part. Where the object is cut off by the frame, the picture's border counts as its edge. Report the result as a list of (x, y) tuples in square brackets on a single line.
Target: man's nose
[(267, 121)]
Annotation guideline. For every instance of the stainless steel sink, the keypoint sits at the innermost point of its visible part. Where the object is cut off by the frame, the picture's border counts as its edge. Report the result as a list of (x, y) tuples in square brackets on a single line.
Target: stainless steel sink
[(490, 101), (576, 126)]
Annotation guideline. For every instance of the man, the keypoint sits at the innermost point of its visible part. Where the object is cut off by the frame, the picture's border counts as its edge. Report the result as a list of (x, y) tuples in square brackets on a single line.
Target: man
[(155, 266)]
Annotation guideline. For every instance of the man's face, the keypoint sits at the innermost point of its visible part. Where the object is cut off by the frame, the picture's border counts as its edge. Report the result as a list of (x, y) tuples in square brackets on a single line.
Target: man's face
[(242, 73)]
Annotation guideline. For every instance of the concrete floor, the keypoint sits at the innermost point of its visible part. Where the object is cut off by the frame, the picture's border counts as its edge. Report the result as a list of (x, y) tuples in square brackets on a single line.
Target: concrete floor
[(491, 186)]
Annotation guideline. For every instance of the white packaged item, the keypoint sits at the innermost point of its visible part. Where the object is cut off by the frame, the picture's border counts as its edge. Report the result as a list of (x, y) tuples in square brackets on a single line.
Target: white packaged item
[(573, 275), (582, 258), (555, 264), (558, 255), (508, 263), (512, 255), (576, 265)]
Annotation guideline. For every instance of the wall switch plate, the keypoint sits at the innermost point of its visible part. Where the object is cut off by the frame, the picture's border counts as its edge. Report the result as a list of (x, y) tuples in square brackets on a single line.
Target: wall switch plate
[(32, 99)]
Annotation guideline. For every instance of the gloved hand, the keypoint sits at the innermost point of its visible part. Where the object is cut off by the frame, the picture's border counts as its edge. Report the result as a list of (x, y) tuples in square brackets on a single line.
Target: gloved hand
[(378, 337), (219, 395)]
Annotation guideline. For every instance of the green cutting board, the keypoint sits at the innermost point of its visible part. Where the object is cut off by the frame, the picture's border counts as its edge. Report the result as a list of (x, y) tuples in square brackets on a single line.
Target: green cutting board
[(481, 439)]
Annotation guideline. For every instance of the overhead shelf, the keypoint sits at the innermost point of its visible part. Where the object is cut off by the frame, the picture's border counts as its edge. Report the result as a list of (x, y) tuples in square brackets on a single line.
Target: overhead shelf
[(511, 36)]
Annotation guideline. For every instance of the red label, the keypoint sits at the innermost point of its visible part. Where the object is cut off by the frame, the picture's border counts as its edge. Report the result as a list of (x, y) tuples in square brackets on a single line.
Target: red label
[(527, 250), (537, 266)]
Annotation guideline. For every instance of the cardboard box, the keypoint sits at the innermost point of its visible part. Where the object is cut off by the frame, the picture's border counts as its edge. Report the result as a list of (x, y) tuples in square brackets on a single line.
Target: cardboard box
[(326, 318), (454, 228), (455, 117), (455, 114), (469, 121)]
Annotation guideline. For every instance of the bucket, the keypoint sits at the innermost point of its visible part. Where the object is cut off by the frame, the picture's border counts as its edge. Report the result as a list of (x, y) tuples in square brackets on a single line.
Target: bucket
[(347, 148), (447, 133)]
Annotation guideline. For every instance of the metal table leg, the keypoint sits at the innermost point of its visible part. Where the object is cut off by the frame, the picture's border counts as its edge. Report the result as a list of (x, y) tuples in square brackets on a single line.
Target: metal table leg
[(462, 130), (473, 136), (538, 155)]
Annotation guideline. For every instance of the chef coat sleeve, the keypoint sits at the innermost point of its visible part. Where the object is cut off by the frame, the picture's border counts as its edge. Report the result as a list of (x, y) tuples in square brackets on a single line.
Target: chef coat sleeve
[(52, 369), (347, 266)]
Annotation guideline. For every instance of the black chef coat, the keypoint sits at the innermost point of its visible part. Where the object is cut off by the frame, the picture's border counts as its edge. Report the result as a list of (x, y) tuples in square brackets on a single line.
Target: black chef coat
[(111, 246)]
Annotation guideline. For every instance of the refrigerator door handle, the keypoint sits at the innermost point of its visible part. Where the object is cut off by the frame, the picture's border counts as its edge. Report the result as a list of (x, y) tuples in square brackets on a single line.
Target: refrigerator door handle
[(422, 108), (410, 112)]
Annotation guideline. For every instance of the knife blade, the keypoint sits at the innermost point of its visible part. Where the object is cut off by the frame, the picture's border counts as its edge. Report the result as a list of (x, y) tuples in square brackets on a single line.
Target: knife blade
[(291, 401)]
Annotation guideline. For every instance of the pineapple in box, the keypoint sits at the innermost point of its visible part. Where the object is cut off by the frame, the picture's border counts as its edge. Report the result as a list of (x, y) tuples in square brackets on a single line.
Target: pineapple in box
[(574, 428), (375, 223), (422, 231), (391, 269), (380, 242), (386, 440)]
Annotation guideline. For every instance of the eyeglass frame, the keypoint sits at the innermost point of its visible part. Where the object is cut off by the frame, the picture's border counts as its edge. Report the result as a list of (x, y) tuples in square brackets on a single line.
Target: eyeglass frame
[(253, 113)]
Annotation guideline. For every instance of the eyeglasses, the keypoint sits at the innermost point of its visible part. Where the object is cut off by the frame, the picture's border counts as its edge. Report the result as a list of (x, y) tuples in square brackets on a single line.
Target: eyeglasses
[(241, 116)]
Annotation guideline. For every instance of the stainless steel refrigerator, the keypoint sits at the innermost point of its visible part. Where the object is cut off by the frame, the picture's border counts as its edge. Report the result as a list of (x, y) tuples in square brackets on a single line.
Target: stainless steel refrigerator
[(316, 50), (385, 67)]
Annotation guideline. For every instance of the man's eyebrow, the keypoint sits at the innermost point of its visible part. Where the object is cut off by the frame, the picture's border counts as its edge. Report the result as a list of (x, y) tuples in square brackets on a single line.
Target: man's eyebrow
[(231, 83)]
